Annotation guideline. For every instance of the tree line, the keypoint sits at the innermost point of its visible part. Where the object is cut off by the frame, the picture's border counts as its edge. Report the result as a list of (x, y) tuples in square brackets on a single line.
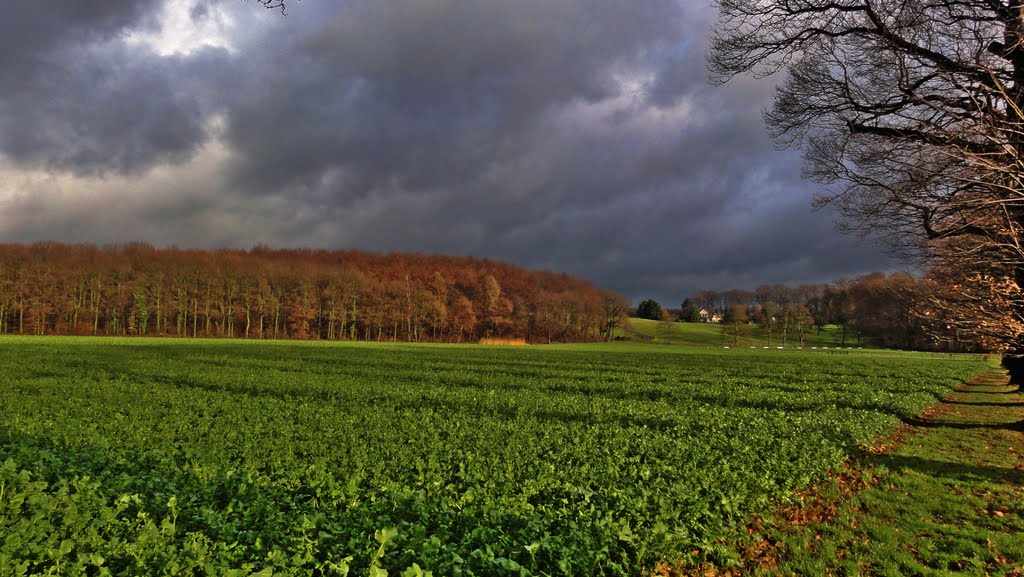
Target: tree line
[(894, 311), (263, 293)]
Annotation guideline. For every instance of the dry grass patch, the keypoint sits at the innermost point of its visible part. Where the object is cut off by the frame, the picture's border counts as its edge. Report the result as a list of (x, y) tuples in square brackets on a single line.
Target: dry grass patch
[(504, 342)]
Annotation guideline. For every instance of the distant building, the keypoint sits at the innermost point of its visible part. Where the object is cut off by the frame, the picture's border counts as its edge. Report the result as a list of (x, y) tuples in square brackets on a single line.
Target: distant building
[(707, 316)]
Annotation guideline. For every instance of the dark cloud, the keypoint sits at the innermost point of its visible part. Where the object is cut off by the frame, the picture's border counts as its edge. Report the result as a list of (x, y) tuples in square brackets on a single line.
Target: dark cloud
[(74, 96), (113, 111), (431, 93), (31, 32), (574, 135)]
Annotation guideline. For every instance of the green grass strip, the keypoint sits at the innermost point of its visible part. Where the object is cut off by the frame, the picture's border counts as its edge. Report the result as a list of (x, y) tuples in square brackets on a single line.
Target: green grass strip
[(946, 499)]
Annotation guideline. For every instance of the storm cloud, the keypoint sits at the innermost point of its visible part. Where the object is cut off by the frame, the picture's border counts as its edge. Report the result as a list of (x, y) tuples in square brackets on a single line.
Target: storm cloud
[(573, 135)]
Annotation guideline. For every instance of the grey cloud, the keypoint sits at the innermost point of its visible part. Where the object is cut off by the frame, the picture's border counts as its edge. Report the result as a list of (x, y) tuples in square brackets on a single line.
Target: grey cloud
[(31, 31), (115, 112), (75, 97), (430, 93)]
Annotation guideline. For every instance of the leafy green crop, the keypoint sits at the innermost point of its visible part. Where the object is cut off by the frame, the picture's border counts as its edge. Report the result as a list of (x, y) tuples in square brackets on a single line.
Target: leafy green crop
[(217, 457)]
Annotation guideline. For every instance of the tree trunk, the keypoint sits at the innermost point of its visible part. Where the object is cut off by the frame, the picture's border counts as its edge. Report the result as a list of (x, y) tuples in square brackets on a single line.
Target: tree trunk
[(1013, 360), (96, 315), (206, 312)]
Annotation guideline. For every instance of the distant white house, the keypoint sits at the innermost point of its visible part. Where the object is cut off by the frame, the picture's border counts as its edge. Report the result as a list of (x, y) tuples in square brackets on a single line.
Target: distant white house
[(707, 316)]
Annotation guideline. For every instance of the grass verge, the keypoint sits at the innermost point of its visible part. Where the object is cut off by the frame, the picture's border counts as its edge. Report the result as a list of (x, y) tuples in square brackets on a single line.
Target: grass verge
[(711, 335), (943, 496)]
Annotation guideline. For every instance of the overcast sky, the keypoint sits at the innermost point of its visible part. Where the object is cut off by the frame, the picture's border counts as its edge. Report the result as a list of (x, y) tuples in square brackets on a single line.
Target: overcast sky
[(572, 135)]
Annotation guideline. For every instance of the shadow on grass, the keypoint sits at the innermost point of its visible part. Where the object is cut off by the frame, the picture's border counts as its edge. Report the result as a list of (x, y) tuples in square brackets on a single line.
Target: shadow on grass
[(971, 391), (927, 424), (985, 404), (949, 470)]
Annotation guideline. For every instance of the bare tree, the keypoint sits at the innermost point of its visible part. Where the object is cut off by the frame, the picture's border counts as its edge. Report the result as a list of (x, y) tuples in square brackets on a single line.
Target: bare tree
[(615, 313), (797, 320), (768, 317), (911, 112), (735, 323), (273, 4)]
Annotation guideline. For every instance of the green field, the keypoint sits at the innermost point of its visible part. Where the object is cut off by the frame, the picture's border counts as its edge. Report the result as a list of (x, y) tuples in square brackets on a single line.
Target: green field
[(147, 457), (710, 335)]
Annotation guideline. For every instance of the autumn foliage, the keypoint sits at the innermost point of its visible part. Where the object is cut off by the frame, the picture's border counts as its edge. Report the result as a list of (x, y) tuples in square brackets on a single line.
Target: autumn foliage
[(263, 293)]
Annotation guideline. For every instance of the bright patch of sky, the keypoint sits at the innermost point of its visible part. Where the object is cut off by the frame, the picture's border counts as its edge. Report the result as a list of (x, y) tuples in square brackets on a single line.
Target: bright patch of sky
[(184, 27), (628, 112)]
